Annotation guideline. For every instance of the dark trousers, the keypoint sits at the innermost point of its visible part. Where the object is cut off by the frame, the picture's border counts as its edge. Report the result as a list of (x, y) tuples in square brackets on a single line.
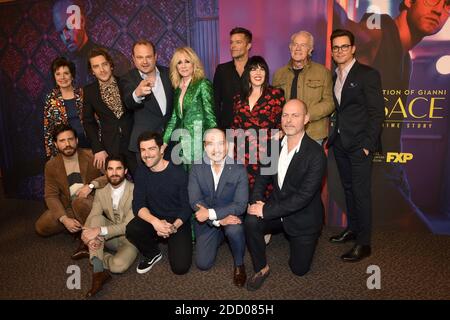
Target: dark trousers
[(128, 155), (355, 172), (301, 247), (209, 239), (144, 237)]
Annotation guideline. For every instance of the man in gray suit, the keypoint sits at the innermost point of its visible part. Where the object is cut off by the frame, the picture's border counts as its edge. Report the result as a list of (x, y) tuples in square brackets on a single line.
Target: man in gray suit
[(147, 92), (106, 225), (218, 191)]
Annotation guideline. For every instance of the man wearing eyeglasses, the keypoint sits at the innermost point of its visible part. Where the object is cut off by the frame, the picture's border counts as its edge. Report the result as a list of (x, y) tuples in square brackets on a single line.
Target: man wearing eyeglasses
[(358, 97), (421, 18), (386, 47), (308, 81)]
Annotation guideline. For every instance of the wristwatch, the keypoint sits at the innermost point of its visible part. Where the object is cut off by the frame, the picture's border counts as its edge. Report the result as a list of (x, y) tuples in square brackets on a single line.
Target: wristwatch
[(91, 186)]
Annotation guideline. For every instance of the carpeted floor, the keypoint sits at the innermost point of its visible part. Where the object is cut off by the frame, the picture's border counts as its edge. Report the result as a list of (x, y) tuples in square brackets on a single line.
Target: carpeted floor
[(413, 266)]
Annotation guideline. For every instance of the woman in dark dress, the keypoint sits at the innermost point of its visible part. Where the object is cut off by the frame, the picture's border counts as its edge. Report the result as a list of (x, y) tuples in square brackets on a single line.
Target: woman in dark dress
[(257, 110)]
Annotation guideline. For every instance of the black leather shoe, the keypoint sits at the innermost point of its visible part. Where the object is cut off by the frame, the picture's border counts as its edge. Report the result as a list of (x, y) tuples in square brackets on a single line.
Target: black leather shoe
[(343, 237), (255, 282), (239, 276), (357, 253)]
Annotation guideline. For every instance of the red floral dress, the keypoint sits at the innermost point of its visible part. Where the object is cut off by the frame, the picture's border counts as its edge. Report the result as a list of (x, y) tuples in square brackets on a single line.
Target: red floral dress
[(266, 114)]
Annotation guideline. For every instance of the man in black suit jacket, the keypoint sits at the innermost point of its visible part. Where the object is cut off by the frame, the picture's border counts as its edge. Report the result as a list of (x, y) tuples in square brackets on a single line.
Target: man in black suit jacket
[(358, 96), (228, 76), (147, 92), (295, 206), (106, 120)]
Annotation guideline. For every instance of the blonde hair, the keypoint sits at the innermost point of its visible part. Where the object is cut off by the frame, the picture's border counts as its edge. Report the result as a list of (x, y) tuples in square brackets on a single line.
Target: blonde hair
[(199, 72)]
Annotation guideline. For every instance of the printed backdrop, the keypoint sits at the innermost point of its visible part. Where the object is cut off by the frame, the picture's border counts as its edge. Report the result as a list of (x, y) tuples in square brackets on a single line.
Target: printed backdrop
[(411, 180)]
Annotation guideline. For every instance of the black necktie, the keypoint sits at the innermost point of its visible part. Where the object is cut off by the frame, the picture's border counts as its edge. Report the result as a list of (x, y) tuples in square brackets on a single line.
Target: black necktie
[(294, 83)]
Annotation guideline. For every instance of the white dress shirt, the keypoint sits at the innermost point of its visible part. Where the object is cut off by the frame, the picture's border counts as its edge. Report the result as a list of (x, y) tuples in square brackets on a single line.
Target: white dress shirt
[(158, 91), (285, 159), (340, 80), (216, 178), (116, 195)]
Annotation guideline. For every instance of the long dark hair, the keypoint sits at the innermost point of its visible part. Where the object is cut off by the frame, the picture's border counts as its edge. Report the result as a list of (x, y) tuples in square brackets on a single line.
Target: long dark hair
[(253, 63)]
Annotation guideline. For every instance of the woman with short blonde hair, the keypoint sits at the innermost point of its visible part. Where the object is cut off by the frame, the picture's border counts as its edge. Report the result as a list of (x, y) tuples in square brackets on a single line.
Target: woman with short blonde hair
[(193, 108), (199, 72)]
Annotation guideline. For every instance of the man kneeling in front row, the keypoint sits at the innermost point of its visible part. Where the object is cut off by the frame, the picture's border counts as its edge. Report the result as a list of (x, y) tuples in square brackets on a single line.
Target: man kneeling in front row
[(161, 208), (218, 191), (106, 225), (294, 207)]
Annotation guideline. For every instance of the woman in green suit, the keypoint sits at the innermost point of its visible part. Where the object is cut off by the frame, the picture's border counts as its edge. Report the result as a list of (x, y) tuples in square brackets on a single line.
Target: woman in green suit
[(193, 111)]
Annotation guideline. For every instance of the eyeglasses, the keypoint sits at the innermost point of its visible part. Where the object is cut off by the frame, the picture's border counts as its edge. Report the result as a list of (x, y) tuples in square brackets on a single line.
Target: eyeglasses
[(434, 3), (343, 48)]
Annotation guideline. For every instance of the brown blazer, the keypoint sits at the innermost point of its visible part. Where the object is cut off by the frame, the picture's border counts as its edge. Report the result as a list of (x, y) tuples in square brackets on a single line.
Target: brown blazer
[(56, 193), (103, 207)]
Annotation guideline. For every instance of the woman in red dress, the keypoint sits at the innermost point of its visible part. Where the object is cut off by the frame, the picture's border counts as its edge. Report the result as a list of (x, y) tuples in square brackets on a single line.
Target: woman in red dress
[(257, 110)]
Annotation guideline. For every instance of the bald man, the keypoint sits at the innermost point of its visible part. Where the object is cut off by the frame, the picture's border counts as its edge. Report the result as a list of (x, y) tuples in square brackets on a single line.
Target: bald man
[(294, 207)]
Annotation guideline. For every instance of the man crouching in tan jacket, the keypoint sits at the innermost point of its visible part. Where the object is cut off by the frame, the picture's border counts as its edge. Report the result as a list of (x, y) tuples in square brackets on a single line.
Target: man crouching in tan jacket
[(106, 224)]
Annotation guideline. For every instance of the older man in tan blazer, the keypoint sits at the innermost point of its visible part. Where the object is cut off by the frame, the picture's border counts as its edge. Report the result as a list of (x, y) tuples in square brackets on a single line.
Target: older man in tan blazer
[(309, 82), (106, 225)]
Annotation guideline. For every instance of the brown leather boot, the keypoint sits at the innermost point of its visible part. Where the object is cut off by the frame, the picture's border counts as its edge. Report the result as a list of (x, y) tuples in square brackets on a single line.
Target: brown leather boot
[(81, 252), (98, 280)]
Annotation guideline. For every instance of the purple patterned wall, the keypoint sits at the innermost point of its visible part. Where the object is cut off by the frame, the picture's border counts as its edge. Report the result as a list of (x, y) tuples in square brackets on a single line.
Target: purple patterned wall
[(28, 44)]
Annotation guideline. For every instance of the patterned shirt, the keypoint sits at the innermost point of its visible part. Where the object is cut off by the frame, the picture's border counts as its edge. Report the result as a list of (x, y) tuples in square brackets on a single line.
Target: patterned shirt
[(111, 97)]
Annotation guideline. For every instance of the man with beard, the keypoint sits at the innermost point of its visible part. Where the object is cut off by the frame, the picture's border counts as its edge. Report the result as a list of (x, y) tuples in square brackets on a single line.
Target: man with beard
[(70, 178), (161, 206), (105, 226)]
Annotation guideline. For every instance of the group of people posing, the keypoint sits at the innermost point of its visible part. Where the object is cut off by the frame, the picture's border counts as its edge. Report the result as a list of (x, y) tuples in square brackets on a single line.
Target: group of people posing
[(112, 179)]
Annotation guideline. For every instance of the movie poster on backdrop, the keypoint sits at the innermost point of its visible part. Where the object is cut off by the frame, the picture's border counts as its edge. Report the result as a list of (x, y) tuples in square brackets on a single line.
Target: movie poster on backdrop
[(33, 33), (408, 43), (410, 178)]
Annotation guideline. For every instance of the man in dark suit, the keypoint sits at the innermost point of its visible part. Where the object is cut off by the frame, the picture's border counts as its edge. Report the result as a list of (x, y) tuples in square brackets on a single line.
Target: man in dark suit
[(106, 120), (147, 92), (228, 76), (218, 192), (359, 103), (295, 206)]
